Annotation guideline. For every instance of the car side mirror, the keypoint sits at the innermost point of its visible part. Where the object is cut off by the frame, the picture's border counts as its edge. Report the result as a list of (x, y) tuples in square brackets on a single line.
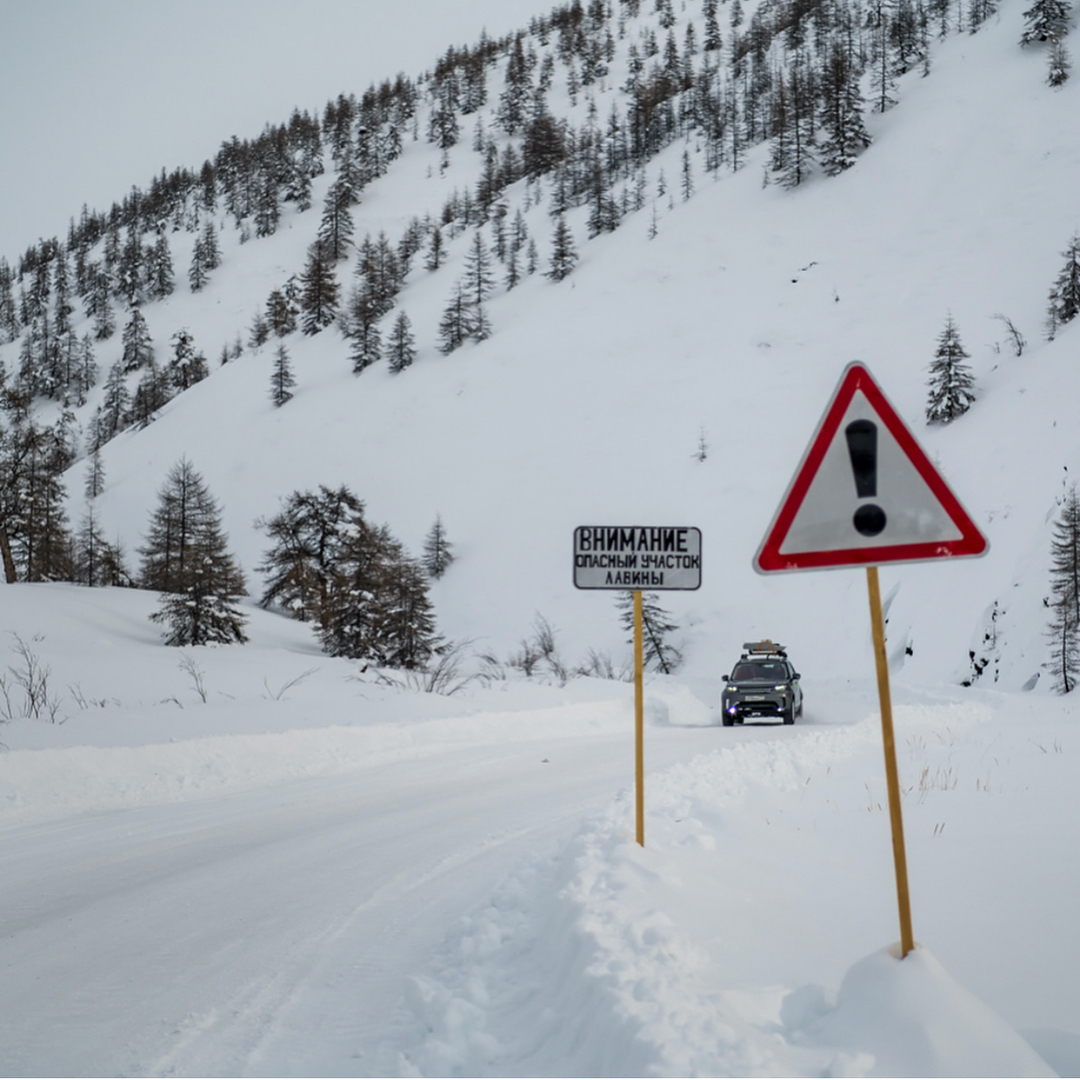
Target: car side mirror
[(796, 676), (726, 678)]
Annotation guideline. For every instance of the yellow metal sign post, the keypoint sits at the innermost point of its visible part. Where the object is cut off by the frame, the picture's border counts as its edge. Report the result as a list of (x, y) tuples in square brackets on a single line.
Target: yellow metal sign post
[(892, 775), (639, 720)]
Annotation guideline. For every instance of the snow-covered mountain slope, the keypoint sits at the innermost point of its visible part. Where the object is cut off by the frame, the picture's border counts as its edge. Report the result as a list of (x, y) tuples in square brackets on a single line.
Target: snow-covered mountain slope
[(587, 402), (261, 859)]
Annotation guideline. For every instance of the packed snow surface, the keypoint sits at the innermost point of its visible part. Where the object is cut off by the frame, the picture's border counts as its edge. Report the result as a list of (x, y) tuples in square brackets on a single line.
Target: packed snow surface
[(265, 861), (260, 860)]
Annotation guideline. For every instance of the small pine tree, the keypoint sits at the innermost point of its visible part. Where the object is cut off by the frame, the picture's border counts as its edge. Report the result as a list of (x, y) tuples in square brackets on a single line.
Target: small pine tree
[(159, 269), (841, 113), (153, 393), (280, 314), (320, 293), (478, 280), (186, 559), (951, 380), (436, 253), (138, 345), (198, 271), (336, 228), (211, 251), (1064, 629), (408, 637), (656, 625), (455, 324), (1058, 65), (437, 550), (187, 366), (259, 333), (96, 561), (687, 182), (282, 380), (103, 316), (116, 402), (95, 474), (366, 345), (563, 255), (401, 347), (1065, 295)]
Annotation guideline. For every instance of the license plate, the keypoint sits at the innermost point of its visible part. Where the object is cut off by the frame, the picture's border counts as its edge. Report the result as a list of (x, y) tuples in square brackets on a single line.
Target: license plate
[(755, 697)]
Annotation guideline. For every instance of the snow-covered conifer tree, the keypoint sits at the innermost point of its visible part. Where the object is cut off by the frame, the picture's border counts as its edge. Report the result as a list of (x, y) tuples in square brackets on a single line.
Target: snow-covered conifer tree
[(1058, 65), (95, 474), (319, 294), (138, 345), (159, 269), (841, 112), (187, 366), (401, 346), (308, 535), (951, 380), (1065, 295), (185, 558), (563, 254), (282, 381), (438, 553), (1064, 629), (455, 325), (1046, 20)]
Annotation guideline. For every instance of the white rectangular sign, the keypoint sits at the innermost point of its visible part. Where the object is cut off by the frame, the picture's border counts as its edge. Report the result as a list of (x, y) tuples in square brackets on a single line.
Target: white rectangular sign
[(637, 557)]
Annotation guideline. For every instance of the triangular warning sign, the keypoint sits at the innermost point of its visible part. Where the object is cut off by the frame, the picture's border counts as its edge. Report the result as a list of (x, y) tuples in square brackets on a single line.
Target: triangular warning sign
[(865, 493)]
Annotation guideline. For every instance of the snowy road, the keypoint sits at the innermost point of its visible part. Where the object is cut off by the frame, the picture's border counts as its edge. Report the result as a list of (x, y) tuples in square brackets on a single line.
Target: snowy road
[(274, 932)]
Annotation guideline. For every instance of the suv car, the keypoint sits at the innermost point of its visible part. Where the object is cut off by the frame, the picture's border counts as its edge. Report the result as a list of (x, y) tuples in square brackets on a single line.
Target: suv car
[(763, 685)]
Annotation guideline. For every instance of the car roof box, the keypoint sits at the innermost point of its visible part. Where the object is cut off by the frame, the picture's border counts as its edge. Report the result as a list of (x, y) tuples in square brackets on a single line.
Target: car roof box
[(764, 648)]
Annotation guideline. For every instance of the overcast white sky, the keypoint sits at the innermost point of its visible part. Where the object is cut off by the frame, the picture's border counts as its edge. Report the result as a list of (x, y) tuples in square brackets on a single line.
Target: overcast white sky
[(99, 96)]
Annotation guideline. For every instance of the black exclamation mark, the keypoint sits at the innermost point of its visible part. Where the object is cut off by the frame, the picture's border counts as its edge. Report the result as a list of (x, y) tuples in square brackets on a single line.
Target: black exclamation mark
[(862, 445)]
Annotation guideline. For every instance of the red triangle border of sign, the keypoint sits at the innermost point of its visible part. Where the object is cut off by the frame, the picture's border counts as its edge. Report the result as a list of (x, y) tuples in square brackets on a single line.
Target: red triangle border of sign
[(857, 377)]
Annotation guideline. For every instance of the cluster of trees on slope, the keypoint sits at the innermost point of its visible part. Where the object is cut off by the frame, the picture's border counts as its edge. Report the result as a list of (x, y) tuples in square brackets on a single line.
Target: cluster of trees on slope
[(328, 564), (790, 76), (55, 363), (354, 581)]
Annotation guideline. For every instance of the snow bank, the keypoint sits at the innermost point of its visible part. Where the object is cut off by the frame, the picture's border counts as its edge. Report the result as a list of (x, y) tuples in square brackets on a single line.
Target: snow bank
[(907, 1017), (765, 861)]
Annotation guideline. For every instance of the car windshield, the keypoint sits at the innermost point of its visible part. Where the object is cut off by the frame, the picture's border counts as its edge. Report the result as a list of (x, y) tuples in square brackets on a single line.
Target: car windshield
[(764, 670)]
